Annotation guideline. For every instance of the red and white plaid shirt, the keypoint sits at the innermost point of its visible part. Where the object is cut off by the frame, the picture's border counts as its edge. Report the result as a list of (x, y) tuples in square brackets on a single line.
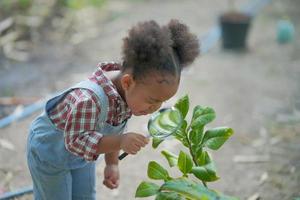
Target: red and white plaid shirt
[(78, 112)]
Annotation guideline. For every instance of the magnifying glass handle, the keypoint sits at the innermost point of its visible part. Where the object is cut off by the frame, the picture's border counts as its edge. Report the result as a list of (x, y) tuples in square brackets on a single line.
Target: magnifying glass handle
[(123, 155)]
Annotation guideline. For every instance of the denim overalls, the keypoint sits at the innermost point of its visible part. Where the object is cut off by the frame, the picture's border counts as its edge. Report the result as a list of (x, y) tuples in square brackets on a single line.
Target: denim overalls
[(58, 174)]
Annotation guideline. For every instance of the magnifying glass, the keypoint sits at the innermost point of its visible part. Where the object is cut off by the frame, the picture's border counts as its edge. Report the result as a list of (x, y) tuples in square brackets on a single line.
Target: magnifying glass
[(162, 124)]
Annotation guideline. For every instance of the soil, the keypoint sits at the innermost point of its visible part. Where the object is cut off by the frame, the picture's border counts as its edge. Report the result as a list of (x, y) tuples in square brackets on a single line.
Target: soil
[(255, 92)]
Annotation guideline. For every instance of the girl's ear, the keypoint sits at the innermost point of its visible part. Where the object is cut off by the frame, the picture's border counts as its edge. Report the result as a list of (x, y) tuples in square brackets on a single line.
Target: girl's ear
[(127, 81)]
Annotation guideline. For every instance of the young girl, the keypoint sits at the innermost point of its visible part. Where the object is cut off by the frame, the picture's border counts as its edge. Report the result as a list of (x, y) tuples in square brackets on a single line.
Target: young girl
[(88, 119)]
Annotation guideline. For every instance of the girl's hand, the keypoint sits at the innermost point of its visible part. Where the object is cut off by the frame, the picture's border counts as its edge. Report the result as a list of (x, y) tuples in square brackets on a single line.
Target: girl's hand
[(133, 142), (111, 176)]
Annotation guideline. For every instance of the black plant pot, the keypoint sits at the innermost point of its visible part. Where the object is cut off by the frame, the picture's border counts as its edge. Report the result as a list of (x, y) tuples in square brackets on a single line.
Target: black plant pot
[(234, 30)]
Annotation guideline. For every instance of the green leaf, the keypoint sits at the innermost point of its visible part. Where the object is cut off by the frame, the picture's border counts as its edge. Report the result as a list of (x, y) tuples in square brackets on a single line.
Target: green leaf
[(207, 170), (185, 163), (197, 111), (206, 173), (168, 196), (216, 137), (183, 105), (188, 189), (196, 136), (183, 126), (172, 159), (194, 148), (204, 158), (184, 142), (199, 152), (202, 116), (181, 134), (146, 189), (157, 172), (175, 116), (193, 191), (156, 141)]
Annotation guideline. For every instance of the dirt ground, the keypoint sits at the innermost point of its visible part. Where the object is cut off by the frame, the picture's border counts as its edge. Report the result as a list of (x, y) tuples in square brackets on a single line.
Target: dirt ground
[(255, 92)]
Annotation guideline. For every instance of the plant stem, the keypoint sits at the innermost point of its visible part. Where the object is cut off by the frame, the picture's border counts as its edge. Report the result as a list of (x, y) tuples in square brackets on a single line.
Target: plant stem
[(193, 156)]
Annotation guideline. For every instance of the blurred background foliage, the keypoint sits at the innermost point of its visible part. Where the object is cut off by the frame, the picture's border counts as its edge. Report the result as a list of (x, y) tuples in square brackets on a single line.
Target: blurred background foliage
[(9, 5), (23, 22), (78, 4), (12, 6)]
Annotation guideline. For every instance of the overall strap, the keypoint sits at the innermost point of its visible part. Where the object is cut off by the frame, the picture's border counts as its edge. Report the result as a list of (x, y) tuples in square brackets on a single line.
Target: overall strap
[(98, 90)]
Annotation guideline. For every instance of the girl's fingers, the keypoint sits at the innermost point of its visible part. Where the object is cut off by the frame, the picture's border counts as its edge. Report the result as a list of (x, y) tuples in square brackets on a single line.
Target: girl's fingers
[(108, 183), (142, 139), (133, 152), (137, 147)]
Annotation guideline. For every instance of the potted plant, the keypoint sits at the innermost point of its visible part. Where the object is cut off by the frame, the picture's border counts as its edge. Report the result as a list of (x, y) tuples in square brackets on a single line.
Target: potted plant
[(194, 161), (234, 27)]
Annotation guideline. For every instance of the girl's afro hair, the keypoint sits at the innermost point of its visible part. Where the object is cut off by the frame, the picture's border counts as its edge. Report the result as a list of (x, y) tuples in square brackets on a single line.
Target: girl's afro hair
[(150, 47)]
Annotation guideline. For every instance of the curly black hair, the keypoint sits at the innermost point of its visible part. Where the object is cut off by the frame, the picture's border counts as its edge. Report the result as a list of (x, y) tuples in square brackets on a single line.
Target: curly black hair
[(150, 47)]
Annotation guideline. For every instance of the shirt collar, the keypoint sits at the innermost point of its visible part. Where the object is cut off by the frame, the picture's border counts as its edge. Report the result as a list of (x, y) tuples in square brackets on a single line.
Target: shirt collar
[(107, 85)]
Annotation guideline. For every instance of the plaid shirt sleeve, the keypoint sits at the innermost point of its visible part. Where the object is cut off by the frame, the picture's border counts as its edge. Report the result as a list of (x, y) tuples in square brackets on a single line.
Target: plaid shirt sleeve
[(81, 138)]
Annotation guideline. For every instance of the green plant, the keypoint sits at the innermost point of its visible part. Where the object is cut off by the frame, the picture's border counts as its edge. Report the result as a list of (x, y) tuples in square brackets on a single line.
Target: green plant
[(78, 4), (197, 162)]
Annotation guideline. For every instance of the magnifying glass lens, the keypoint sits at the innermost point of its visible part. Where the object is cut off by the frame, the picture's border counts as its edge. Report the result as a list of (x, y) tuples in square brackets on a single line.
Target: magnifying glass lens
[(164, 123)]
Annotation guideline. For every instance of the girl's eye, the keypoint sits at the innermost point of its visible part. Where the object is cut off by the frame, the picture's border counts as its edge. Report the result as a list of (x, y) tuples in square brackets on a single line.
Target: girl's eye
[(150, 102)]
